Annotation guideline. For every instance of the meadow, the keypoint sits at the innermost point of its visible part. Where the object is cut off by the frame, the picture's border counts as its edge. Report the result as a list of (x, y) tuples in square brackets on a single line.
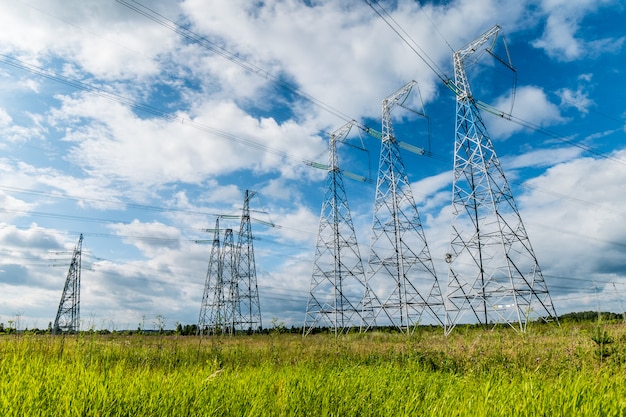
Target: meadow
[(571, 370)]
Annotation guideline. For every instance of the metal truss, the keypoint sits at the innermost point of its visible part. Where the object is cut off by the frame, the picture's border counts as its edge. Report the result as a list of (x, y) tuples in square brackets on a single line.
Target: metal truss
[(247, 309), (493, 274), (401, 273), (338, 285), (68, 315)]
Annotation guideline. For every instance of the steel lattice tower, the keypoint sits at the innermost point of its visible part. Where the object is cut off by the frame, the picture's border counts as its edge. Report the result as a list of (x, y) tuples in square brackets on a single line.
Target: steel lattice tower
[(68, 314), (247, 306), (493, 274), (212, 298), (229, 302), (217, 311), (401, 271), (338, 284)]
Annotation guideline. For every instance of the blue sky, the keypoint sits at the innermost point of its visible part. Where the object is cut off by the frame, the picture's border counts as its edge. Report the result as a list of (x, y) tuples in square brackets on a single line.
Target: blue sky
[(138, 137)]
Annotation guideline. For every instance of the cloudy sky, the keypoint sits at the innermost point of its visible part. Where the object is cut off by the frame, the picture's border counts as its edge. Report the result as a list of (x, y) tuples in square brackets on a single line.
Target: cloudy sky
[(137, 126)]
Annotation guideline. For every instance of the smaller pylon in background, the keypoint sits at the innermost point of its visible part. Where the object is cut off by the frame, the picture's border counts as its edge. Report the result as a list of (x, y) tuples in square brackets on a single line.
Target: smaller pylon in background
[(230, 294), (248, 308), (230, 303), (219, 299), (68, 315), (212, 298), (338, 286)]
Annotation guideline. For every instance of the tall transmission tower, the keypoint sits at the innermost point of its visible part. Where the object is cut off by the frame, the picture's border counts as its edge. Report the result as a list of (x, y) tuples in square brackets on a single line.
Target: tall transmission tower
[(338, 284), (401, 271), (247, 306), (493, 274), (68, 314)]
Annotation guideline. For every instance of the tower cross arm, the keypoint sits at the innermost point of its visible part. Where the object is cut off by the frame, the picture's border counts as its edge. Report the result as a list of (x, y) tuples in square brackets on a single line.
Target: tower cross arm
[(473, 46), (461, 87)]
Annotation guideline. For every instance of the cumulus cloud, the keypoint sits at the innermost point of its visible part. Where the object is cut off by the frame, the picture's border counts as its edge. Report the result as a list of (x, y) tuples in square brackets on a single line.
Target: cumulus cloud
[(561, 39), (531, 105)]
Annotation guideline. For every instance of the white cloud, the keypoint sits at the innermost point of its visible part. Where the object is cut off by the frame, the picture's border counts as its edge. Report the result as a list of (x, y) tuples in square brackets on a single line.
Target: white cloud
[(575, 217), (127, 44), (5, 119), (560, 39), (577, 99), (152, 239), (531, 105), (542, 158), (143, 152)]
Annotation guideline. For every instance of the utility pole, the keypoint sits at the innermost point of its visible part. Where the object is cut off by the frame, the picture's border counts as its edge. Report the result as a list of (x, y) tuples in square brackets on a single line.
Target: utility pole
[(338, 285), (68, 315), (401, 271), (493, 273)]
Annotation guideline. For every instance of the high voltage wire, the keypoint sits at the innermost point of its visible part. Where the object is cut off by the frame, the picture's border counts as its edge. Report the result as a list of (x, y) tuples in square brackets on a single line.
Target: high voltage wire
[(191, 36), (17, 63), (118, 203), (393, 24), (381, 12), (388, 19), (213, 47)]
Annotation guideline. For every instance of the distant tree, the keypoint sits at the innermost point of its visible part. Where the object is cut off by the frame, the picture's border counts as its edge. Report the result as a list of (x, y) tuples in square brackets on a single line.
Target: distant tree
[(590, 316)]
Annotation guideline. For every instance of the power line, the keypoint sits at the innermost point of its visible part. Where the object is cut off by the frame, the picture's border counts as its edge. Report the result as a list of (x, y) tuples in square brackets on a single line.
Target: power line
[(51, 75), (388, 19), (234, 58), (381, 12)]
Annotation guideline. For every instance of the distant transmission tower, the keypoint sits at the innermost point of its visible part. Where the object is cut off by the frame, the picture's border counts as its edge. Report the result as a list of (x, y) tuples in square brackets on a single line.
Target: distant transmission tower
[(230, 302), (401, 271), (68, 314), (247, 305), (493, 275), (338, 284), (214, 310)]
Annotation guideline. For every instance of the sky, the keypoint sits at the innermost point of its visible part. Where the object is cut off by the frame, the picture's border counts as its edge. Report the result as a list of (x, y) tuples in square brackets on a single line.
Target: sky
[(136, 123)]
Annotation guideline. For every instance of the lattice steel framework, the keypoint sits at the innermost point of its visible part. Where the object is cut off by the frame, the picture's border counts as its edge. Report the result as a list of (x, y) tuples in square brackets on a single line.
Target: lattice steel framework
[(68, 315), (493, 274), (212, 298), (217, 311), (247, 308), (338, 284), (401, 273)]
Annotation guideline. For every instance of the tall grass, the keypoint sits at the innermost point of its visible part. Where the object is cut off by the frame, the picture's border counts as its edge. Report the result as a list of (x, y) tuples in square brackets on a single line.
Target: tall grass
[(551, 371)]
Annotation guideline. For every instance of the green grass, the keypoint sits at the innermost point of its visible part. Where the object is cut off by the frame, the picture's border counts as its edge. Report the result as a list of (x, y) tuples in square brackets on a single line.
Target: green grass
[(549, 371)]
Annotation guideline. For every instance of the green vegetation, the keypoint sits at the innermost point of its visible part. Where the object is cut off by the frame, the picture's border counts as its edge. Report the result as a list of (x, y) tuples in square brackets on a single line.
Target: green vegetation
[(576, 369)]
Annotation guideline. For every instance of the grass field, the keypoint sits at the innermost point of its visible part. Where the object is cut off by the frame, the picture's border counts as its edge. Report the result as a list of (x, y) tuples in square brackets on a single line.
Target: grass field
[(572, 370)]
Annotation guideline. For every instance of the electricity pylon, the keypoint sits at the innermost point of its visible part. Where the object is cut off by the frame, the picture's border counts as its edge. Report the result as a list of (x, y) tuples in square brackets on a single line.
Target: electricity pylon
[(401, 271), (493, 273), (68, 314), (229, 285), (212, 298), (247, 306), (217, 308), (230, 302), (338, 284)]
